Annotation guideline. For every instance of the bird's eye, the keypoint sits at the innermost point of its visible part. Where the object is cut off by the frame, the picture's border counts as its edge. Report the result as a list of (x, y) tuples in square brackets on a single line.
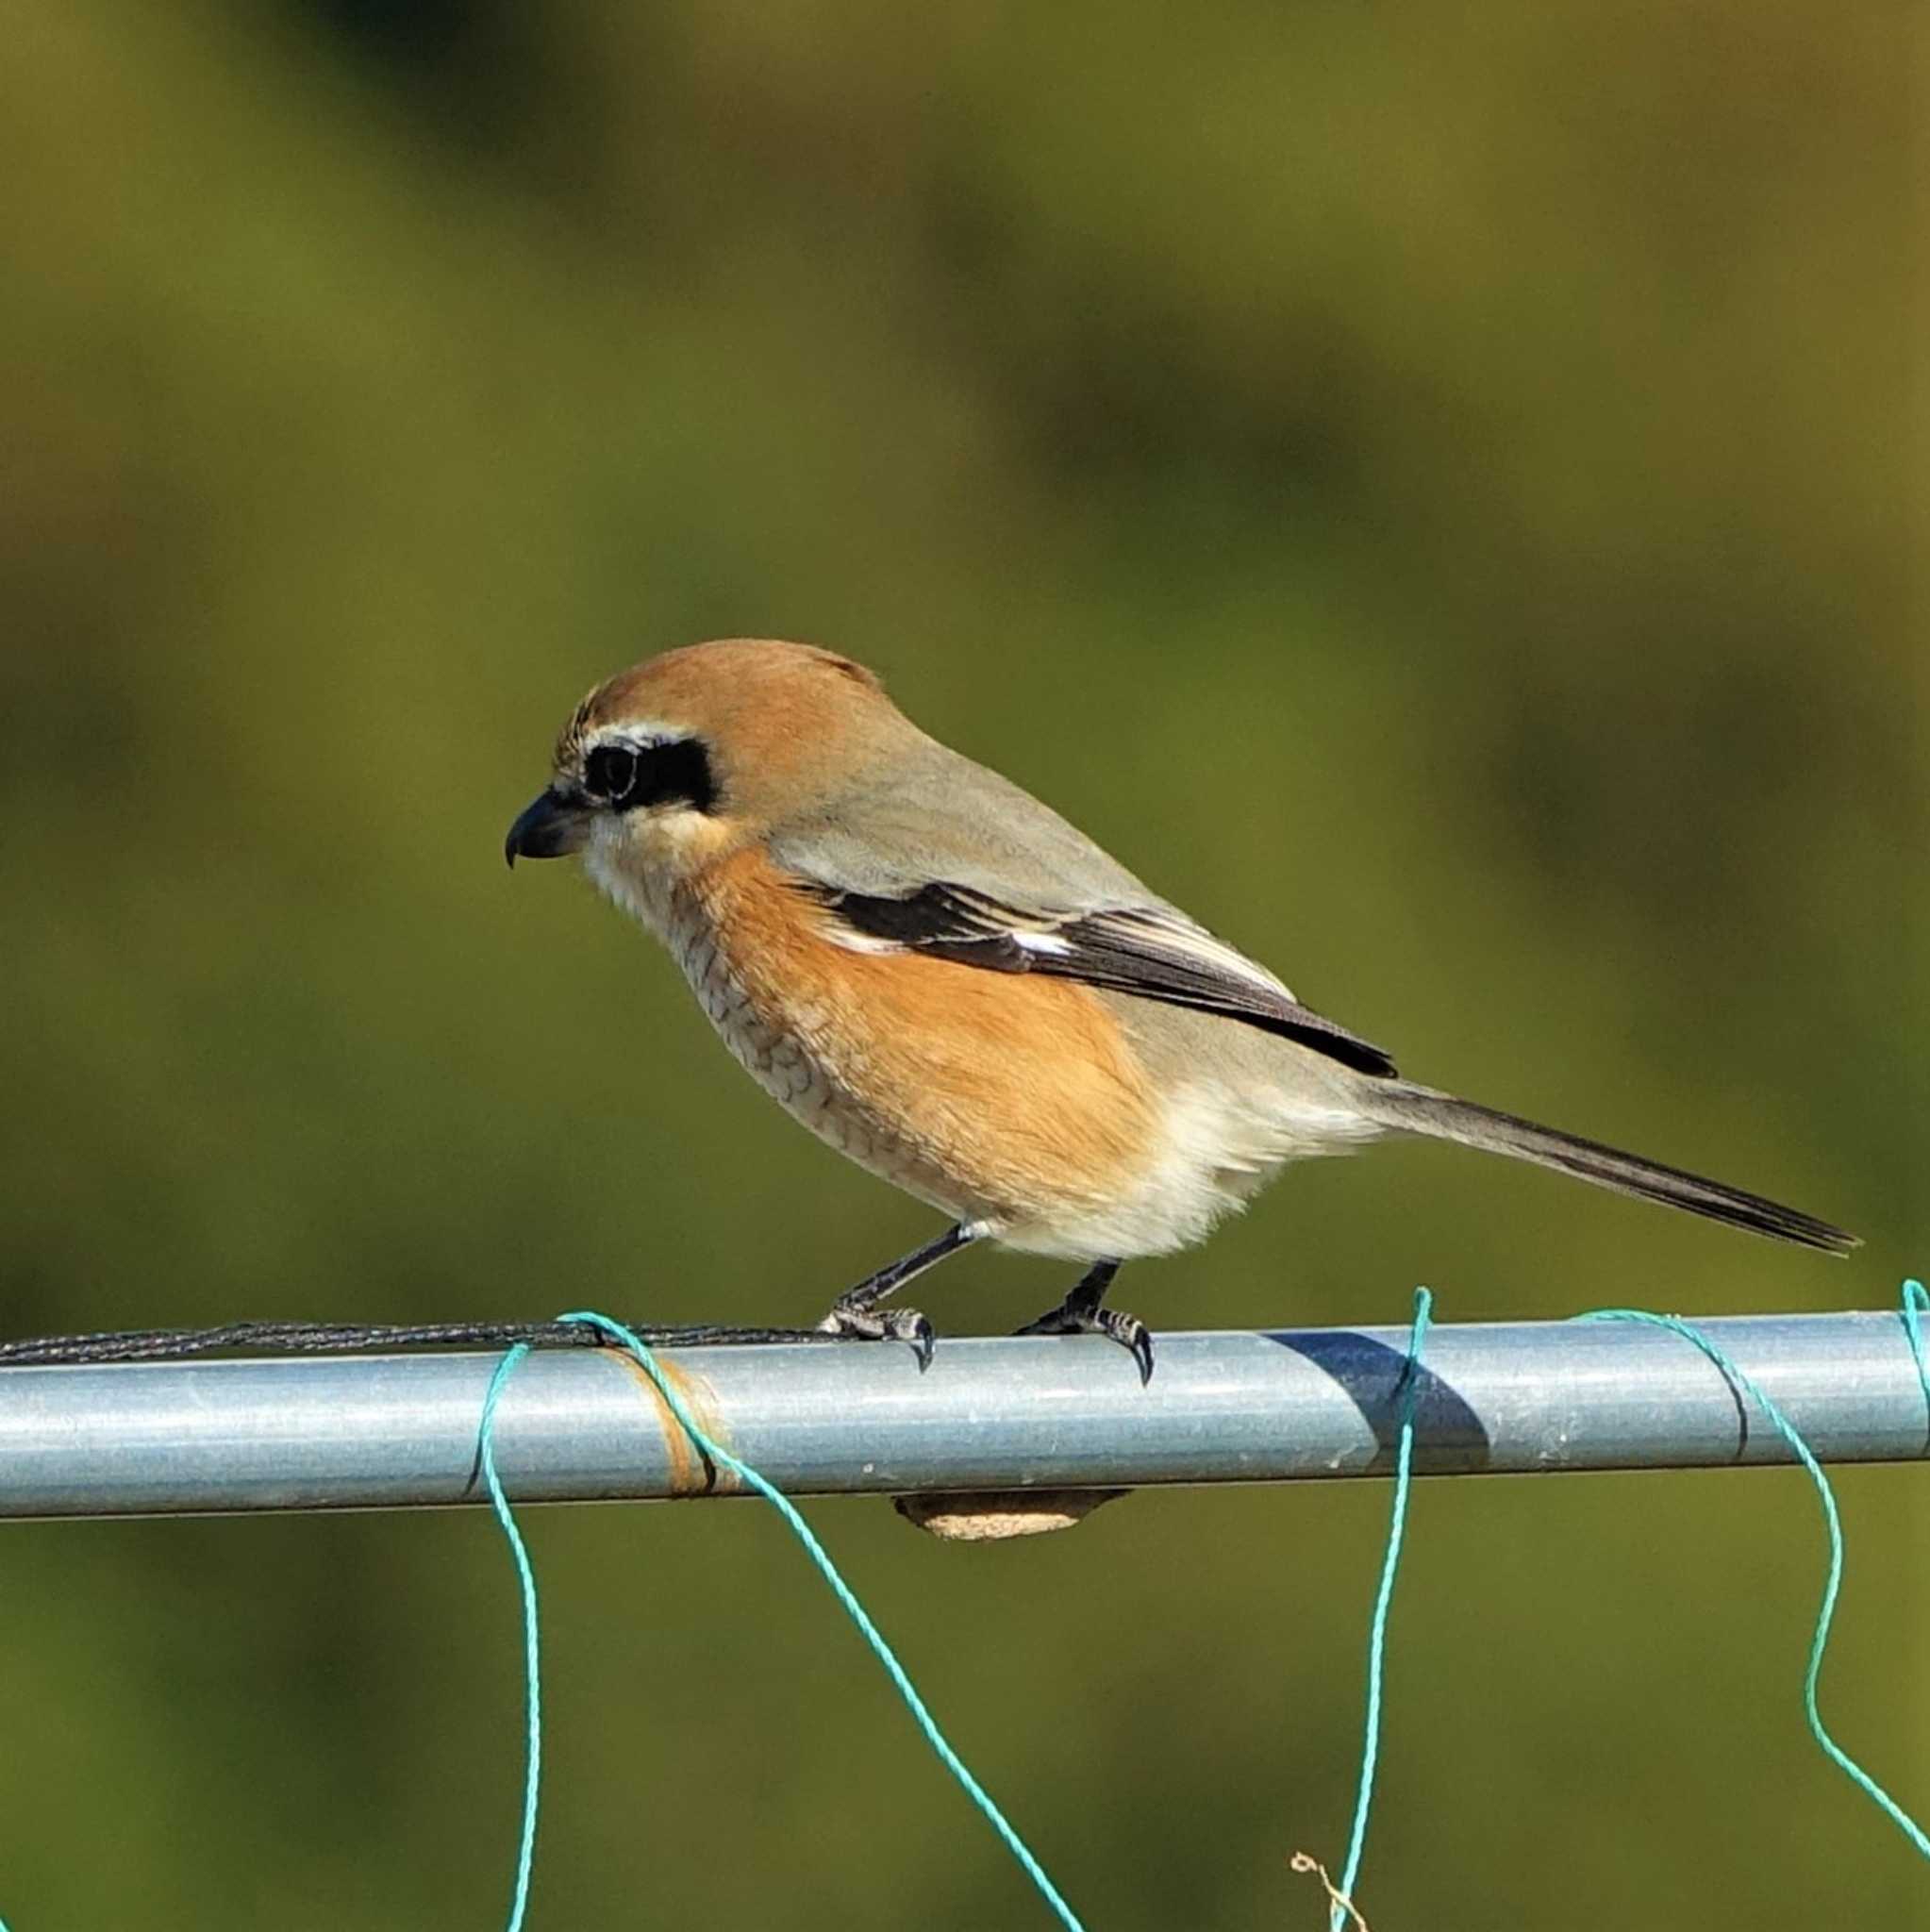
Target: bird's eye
[(611, 771)]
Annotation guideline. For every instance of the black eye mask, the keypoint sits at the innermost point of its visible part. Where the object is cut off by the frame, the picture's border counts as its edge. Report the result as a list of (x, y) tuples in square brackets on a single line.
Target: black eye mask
[(626, 775)]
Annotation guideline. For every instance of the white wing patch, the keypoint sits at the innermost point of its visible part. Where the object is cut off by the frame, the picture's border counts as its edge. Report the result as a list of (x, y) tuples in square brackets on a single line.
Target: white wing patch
[(1048, 943)]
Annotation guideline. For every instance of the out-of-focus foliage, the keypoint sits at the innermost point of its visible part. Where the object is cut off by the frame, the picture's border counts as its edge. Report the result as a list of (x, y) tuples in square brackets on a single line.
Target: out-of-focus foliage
[(1429, 487)]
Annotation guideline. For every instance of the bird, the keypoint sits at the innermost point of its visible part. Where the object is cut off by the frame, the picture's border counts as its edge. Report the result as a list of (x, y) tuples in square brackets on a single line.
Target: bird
[(961, 992)]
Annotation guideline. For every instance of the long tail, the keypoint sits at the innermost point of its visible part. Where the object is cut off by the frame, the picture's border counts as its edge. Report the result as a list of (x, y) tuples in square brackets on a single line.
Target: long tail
[(1406, 1107)]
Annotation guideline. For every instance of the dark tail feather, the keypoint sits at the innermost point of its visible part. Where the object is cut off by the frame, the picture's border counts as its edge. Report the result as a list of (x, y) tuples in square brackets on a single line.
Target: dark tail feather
[(1406, 1107)]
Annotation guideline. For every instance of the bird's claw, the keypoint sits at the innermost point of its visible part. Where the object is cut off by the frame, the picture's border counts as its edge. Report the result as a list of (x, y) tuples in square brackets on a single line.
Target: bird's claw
[(884, 1325), (1133, 1336), (1128, 1330)]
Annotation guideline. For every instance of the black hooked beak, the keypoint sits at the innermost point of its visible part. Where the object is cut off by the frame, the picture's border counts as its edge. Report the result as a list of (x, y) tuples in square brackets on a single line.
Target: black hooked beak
[(551, 826)]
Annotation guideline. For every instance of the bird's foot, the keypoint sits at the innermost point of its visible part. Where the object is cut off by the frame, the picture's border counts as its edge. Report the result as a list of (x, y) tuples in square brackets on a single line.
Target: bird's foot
[(1114, 1323), (864, 1323)]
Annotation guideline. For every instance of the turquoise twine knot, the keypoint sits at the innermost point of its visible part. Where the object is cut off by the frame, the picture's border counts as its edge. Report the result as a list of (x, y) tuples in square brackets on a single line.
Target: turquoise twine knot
[(815, 1550), (1915, 1303), (1408, 1396)]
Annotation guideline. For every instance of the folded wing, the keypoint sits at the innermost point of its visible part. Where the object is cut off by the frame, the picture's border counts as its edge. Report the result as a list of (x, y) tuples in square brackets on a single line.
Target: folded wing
[(1149, 951)]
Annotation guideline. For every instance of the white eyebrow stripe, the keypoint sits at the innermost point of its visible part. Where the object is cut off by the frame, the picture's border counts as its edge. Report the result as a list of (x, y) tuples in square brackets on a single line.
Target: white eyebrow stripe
[(640, 734)]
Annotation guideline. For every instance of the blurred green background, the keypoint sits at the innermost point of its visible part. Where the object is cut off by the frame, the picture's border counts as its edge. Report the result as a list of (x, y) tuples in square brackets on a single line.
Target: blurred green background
[(1430, 488)]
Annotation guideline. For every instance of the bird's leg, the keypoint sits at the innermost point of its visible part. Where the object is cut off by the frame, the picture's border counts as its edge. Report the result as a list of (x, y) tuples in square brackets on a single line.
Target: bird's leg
[(1083, 1312), (857, 1311)]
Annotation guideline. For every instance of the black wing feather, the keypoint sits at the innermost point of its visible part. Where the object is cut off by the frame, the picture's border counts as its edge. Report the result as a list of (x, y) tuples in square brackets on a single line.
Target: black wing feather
[(1134, 949)]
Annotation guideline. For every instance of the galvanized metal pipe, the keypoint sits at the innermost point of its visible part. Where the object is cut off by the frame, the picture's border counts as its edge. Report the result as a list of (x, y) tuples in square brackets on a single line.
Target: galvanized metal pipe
[(374, 1432)]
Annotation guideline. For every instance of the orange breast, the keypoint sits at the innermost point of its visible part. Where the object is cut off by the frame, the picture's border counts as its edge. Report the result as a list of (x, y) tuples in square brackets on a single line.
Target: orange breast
[(1018, 1096)]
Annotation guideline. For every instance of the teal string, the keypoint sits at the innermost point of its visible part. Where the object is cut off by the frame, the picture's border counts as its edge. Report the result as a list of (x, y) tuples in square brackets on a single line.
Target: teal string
[(1826, 1615), (1916, 1304), (532, 1668), (722, 1458), (1384, 1596)]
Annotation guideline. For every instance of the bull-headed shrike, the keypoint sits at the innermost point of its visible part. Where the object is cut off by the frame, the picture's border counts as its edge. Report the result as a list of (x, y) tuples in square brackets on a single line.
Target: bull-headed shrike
[(942, 977)]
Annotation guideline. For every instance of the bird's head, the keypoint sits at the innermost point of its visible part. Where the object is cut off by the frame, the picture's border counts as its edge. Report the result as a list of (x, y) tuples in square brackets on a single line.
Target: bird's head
[(672, 765)]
